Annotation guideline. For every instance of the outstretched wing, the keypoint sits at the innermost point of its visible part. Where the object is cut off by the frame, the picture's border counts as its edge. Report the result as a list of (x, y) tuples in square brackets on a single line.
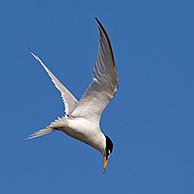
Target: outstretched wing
[(105, 81), (69, 100)]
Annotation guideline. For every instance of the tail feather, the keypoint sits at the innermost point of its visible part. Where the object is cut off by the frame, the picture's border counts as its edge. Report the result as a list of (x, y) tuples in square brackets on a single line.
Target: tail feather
[(55, 125), (41, 133)]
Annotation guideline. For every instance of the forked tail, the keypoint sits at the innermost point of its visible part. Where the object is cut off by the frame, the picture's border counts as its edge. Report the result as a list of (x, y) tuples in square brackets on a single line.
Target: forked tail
[(55, 125), (41, 133)]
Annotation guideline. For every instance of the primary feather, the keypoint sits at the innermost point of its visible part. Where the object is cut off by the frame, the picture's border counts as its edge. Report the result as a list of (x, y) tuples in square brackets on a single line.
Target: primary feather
[(69, 100), (104, 84)]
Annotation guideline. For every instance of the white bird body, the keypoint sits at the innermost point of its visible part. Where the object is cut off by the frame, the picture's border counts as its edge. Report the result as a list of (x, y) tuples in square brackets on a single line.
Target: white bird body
[(82, 118), (85, 131)]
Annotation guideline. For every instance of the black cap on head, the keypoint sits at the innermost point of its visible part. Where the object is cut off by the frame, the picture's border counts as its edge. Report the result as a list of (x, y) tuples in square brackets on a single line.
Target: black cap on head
[(109, 146)]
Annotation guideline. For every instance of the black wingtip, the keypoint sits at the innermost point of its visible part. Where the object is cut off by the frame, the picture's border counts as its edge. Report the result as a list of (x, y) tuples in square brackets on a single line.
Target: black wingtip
[(30, 50), (102, 29), (97, 20), (99, 23)]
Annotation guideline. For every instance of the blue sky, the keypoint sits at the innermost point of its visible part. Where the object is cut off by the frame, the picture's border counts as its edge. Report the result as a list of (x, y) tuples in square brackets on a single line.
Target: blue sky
[(150, 120)]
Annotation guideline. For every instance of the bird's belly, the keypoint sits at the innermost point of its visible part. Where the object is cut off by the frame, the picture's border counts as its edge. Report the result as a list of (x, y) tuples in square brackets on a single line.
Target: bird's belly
[(84, 131)]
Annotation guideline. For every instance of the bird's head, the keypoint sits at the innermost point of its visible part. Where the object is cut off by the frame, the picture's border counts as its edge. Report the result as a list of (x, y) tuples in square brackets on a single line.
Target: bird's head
[(108, 151)]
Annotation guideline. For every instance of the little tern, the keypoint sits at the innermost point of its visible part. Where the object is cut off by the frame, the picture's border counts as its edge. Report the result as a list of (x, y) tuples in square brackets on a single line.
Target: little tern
[(82, 118)]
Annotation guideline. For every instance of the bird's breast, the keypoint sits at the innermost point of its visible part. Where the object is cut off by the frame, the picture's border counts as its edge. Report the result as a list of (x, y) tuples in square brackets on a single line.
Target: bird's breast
[(87, 132)]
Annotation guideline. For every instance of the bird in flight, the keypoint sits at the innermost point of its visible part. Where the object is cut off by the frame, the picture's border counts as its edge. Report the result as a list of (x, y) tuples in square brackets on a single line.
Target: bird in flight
[(82, 118)]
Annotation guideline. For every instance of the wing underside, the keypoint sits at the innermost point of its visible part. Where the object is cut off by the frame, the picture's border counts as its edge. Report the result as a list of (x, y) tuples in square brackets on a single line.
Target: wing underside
[(105, 81), (69, 100)]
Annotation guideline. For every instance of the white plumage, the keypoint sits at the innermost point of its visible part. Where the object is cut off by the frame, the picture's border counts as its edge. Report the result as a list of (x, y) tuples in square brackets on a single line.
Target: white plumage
[(82, 118)]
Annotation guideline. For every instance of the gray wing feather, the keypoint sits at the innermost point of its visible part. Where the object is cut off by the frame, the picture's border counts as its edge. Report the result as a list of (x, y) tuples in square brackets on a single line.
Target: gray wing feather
[(105, 81), (69, 100)]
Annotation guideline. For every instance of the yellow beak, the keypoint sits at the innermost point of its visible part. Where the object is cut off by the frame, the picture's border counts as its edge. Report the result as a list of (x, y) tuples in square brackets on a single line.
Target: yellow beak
[(105, 163)]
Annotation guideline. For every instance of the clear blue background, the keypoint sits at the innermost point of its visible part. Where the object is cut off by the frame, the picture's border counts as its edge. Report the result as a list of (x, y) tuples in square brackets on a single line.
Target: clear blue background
[(150, 120)]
